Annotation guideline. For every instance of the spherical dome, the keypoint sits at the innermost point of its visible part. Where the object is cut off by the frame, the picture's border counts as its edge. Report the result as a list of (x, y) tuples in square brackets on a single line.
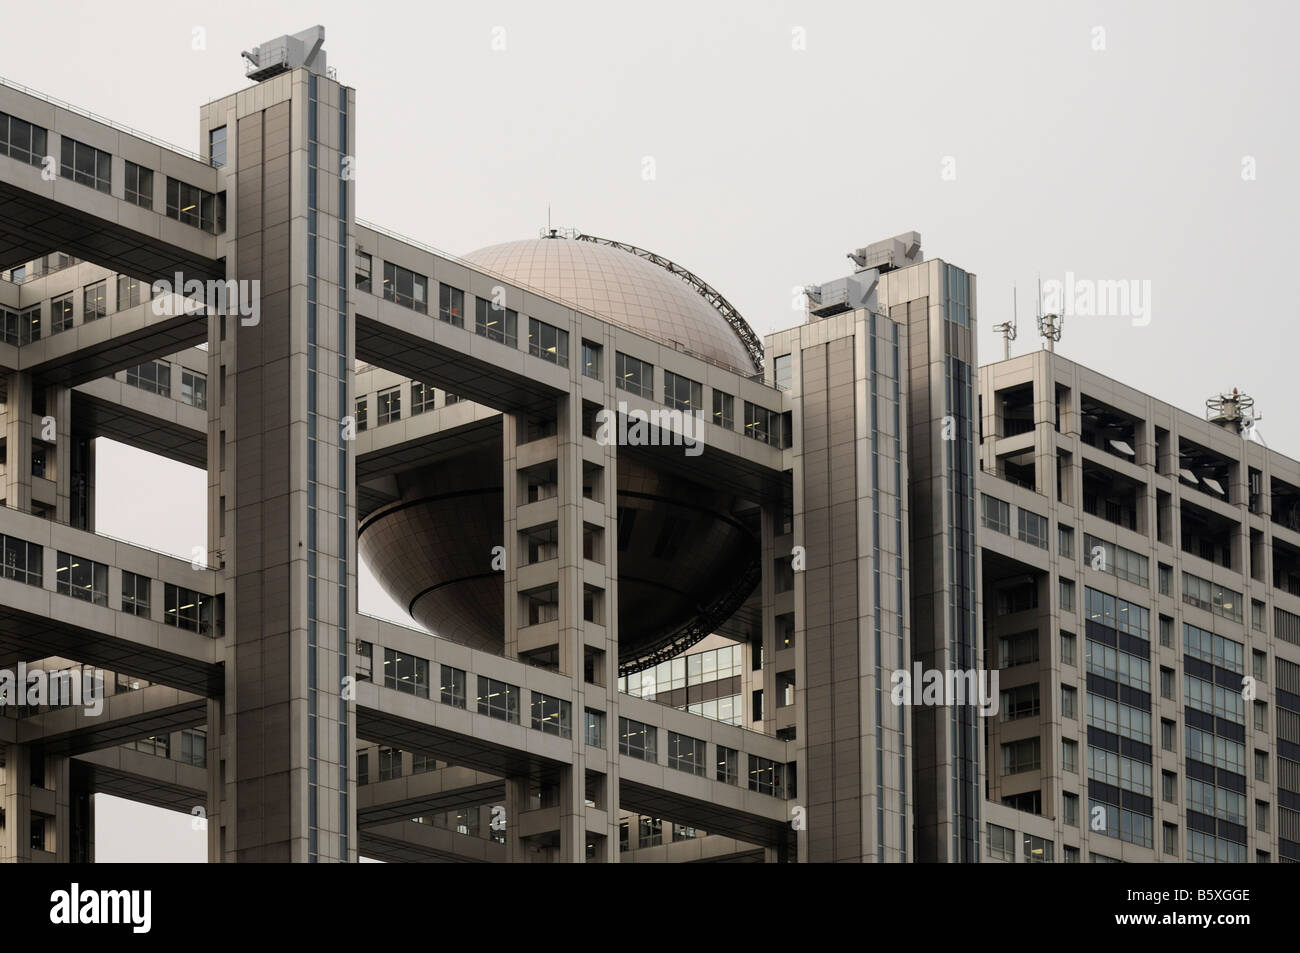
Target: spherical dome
[(614, 284)]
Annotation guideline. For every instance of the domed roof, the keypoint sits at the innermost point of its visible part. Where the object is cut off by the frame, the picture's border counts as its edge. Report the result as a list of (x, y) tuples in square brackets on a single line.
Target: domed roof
[(630, 291)]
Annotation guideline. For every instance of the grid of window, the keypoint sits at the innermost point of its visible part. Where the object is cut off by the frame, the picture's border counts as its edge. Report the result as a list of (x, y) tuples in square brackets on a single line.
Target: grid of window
[(135, 594), (388, 405), (1118, 665), (1018, 649), (495, 323), (16, 328), (1019, 702), (591, 359), (82, 579), (996, 514), (548, 342), (155, 377), (1038, 850), (61, 313), (551, 715), (637, 739), (451, 305), (85, 164), (1215, 649), (191, 205), (1002, 843), (21, 140), (406, 673), (682, 393), (452, 689), (1120, 614), (403, 286), (94, 301), (594, 728), (21, 560), (685, 753), (421, 397), (139, 185), (633, 376), (724, 410), (498, 700)]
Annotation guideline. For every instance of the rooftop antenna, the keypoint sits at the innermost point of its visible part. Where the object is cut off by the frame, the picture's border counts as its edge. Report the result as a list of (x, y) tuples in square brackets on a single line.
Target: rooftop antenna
[(1050, 326), (1234, 411), (1008, 328)]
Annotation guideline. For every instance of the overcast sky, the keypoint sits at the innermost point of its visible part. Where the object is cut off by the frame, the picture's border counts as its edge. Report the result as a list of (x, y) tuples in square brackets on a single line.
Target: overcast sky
[(1152, 142)]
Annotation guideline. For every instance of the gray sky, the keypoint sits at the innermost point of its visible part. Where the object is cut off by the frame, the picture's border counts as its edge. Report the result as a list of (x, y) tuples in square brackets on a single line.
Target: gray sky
[(770, 162)]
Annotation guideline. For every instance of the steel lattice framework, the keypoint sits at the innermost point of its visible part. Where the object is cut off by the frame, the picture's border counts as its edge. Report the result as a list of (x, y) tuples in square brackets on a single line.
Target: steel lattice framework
[(710, 294)]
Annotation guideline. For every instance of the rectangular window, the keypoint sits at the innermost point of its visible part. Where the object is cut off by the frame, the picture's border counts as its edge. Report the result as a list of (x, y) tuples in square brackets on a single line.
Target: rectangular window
[(1019, 702), (1169, 839), (388, 405), (390, 763), (728, 765), (781, 370), (724, 410), (495, 324), (21, 140), (1033, 528), (1069, 701), (1002, 843), (421, 397), (498, 700), (451, 305), (763, 425), (594, 729), (406, 673), (1018, 649), (1166, 632), (360, 414), (139, 185), (363, 266), (548, 342), (1069, 755), (217, 147), (1020, 756), (82, 579), (94, 301), (997, 514), (685, 753), (551, 715), (1038, 850), (1168, 735), (1068, 642), (61, 313), (128, 292), (682, 393), (187, 609), (194, 388), (191, 205), (155, 377), (1165, 579), (1116, 560), (1214, 598), (633, 376), (591, 358), (452, 689), (766, 777), (135, 594), (1166, 682), (1067, 595), (194, 747), (1065, 541), (403, 286), (637, 740), (85, 164)]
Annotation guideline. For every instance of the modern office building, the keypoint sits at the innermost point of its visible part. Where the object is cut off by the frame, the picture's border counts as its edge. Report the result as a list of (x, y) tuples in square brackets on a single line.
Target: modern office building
[(662, 573)]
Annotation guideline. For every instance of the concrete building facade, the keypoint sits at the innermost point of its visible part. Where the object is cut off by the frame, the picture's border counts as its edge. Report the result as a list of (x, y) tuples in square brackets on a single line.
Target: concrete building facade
[(663, 574)]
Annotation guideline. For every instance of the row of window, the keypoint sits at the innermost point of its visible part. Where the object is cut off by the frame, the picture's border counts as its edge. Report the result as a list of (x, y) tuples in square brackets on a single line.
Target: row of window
[(92, 167), (156, 378)]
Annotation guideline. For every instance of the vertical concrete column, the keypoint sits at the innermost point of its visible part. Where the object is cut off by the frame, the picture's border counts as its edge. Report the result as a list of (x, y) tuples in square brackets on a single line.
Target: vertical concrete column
[(27, 797), (18, 441), (58, 405), (16, 798), (515, 554)]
